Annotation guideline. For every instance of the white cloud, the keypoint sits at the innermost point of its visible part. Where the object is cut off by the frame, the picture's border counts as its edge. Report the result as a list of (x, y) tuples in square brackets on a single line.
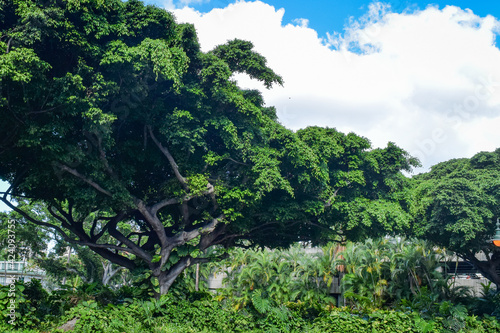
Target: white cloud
[(302, 22), (173, 4), (428, 80), (168, 4)]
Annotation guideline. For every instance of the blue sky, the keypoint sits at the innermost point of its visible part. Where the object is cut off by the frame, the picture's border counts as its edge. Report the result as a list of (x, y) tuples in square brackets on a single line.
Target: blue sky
[(332, 16)]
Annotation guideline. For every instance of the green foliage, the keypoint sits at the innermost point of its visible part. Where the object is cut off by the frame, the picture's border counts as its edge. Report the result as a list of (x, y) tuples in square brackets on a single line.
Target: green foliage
[(366, 195), (450, 319), (343, 321), (457, 205), (17, 311), (255, 66), (488, 304), (139, 144), (202, 312), (392, 271), (30, 240), (269, 278)]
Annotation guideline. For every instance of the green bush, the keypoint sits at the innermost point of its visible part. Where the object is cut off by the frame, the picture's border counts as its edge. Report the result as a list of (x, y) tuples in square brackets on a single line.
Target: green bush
[(100, 309), (17, 311), (278, 276), (203, 313), (489, 302)]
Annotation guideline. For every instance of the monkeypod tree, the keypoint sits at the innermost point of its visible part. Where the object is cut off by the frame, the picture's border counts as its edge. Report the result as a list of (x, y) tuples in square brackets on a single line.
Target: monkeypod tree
[(458, 204), (145, 150), (367, 195)]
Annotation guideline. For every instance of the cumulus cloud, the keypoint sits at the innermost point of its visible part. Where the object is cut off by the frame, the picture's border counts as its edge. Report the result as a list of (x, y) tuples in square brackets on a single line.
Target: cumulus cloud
[(428, 80)]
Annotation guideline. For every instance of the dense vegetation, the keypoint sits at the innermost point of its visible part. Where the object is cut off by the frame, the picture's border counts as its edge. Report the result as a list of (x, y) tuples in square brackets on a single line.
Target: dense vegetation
[(276, 291), (145, 151), (139, 156), (457, 207)]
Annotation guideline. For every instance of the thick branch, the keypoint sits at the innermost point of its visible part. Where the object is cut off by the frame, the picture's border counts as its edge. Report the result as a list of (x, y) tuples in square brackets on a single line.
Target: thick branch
[(102, 155), (101, 249), (140, 234), (167, 202), (153, 221), (171, 160), (103, 246), (164, 255), (237, 162), (488, 268), (185, 236), (92, 229), (133, 248), (87, 180), (114, 258), (101, 233), (63, 221), (40, 223), (167, 278), (208, 239), (206, 260), (8, 44), (330, 200), (156, 207)]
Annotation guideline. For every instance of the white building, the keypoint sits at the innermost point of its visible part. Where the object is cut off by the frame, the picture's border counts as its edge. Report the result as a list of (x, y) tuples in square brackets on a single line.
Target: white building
[(18, 270)]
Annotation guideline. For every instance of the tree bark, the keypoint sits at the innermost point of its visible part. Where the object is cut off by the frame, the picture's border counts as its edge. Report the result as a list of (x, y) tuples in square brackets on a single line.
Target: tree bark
[(67, 262), (167, 278), (197, 282), (109, 272)]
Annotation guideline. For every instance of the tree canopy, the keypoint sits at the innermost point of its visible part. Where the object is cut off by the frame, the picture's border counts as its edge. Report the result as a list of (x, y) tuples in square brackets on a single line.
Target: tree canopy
[(458, 204), (145, 149)]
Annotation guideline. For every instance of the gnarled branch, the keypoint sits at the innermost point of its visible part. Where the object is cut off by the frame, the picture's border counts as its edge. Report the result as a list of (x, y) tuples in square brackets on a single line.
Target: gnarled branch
[(35, 221), (85, 179), (134, 248), (185, 236), (171, 160)]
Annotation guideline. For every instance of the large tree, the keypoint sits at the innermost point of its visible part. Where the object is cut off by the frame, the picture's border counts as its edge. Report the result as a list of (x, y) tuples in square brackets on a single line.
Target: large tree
[(457, 207), (113, 117)]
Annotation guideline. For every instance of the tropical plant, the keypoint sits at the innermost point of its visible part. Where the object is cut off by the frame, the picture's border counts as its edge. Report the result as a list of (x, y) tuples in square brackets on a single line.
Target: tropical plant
[(392, 271), (278, 277), (488, 303), (366, 269)]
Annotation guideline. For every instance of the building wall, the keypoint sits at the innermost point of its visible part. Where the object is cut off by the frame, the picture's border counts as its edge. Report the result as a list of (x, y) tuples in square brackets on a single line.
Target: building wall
[(474, 284), (18, 270)]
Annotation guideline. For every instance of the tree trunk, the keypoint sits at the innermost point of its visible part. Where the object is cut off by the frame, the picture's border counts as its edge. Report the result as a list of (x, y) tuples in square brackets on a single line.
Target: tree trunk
[(167, 278), (197, 282), (67, 262), (109, 272), (487, 268)]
